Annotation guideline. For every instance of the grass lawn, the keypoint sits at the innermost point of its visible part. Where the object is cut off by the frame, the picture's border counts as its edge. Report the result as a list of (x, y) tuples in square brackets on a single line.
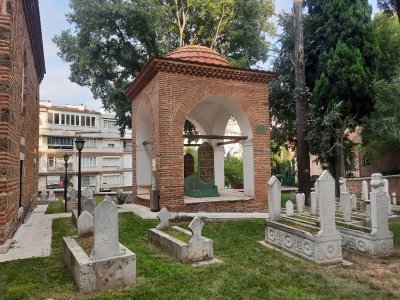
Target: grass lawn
[(249, 270)]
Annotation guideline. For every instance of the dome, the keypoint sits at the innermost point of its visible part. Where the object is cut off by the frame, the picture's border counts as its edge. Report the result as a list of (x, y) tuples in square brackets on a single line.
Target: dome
[(199, 54)]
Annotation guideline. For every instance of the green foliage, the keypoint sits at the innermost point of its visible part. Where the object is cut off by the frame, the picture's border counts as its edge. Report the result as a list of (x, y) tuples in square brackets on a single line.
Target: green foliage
[(233, 167), (390, 6), (112, 39), (283, 167), (121, 197), (347, 61), (387, 31), (282, 101), (381, 132)]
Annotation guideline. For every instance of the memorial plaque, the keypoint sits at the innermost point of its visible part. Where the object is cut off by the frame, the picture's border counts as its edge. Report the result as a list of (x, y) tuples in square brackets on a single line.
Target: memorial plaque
[(206, 162), (261, 129), (188, 160)]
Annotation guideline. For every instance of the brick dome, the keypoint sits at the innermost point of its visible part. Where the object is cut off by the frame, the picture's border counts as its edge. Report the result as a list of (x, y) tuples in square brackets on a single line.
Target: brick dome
[(199, 54)]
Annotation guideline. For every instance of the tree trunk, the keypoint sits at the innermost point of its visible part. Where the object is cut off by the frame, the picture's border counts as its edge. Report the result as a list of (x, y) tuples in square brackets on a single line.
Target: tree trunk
[(303, 152)]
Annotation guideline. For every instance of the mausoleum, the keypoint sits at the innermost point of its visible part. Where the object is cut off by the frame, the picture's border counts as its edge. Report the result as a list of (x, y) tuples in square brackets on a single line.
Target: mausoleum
[(196, 83)]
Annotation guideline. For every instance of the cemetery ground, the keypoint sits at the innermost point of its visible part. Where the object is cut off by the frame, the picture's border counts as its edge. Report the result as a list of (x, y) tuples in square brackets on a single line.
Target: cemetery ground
[(249, 270), (55, 208)]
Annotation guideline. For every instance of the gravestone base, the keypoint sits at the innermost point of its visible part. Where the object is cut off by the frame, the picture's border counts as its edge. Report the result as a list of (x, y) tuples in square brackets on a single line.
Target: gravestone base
[(99, 275), (322, 250), (71, 205), (184, 252), (374, 245), (194, 187)]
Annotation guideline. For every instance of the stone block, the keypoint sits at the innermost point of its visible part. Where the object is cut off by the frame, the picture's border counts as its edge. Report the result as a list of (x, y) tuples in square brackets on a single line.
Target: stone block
[(96, 275)]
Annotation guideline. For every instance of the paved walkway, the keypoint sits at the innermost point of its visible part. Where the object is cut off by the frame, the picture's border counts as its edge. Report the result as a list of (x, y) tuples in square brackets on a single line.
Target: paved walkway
[(146, 213), (33, 238)]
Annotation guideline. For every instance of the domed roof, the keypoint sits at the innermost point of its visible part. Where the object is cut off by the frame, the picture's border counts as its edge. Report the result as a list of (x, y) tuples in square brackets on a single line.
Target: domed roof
[(199, 54)]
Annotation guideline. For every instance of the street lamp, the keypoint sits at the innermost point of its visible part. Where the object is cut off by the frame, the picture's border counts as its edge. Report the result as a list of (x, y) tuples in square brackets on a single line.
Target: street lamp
[(66, 157), (79, 144)]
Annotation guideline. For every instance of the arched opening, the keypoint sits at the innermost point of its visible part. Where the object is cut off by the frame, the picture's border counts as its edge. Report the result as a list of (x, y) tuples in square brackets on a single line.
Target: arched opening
[(211, 117), (144, 149)]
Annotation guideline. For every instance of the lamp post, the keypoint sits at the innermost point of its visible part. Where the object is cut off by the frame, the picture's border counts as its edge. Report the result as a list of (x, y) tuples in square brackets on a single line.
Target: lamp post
[(66, 157), (79, 144)]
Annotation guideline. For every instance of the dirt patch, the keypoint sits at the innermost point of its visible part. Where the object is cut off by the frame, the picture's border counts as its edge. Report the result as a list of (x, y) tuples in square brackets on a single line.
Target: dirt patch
[(381, 272), (86, 242)]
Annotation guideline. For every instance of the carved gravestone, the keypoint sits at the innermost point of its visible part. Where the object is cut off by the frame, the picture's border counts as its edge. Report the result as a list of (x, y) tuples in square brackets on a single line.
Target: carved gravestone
[(327, 204), (87, 193), (188, 168), (43, 196), (379, 203), (289, 208), (72, 194), (206, 162), (274, 199), (197, 247), (364, 191), (313, 196), (85, 223), (164, 216), (108, 198), (89, 205), (300, 199), (353, 202), (106, 240), (345, 199), (52, 195)]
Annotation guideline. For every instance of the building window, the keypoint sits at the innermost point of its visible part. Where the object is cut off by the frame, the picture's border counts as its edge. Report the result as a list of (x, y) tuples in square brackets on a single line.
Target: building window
[(53, 180), (83, 123), (110, 179), (93, 122), (90, 143), (68, 119), (77, 120), (57, 142), (127, 145), (110, 145), (51, 162), (72, 120), (56, 118), (109, 124), (88, 181), (62, 119), (88, 161), (111, 161)]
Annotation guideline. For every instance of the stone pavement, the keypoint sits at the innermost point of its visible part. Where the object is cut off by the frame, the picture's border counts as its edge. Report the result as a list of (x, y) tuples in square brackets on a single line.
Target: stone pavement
[(146, 213), (33, 238)]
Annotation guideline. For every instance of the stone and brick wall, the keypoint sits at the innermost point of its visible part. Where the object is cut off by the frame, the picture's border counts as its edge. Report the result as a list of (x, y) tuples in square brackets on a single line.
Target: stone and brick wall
[(354, 185), (19, 112)]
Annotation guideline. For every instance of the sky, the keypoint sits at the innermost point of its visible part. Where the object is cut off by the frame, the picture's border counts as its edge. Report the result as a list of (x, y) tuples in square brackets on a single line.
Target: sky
[(56, 86)]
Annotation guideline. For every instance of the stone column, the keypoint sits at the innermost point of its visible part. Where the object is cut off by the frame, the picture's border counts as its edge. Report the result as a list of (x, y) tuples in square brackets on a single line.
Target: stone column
[(313, 203), (345, 199), (379, 202), (248, 168), (364, 191), (219, 152)]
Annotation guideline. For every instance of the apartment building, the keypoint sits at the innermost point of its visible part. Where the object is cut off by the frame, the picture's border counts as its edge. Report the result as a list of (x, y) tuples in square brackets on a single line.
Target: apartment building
[(106, 158)]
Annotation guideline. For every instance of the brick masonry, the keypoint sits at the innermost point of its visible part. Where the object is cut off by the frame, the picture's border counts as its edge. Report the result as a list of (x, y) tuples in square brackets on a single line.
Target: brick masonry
[(354, 185), (170, 94), (20, 76)]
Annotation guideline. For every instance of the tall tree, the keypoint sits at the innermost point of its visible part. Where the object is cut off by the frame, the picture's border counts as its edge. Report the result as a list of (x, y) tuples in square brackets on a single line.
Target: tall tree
[(342, 94), (390, 6), (303, 152), (381, 132), (112, 39)]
